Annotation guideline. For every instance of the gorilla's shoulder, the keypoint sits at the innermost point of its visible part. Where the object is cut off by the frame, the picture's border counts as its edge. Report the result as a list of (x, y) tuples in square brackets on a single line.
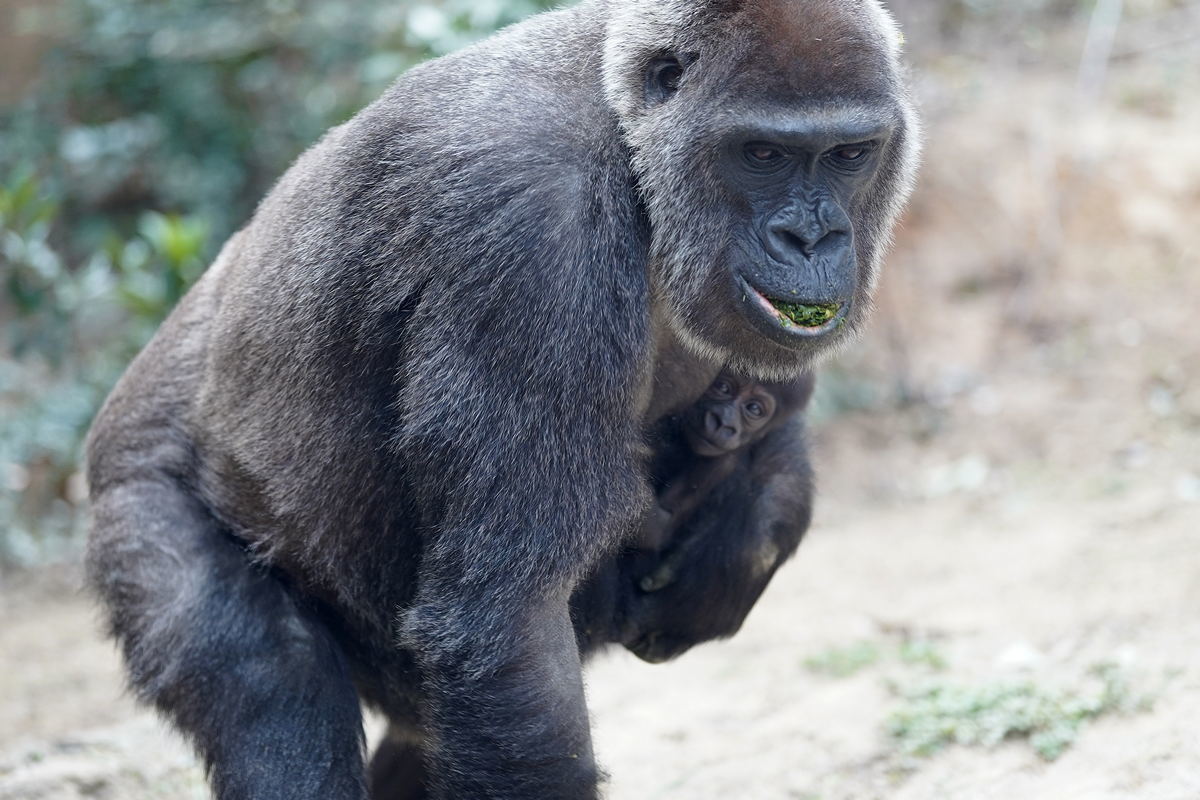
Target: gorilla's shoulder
[(502, 161), (513, 127), (534, 89)]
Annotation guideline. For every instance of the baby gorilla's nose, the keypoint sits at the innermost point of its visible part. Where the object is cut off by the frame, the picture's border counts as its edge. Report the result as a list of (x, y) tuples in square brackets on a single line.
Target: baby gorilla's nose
[(718, 427)]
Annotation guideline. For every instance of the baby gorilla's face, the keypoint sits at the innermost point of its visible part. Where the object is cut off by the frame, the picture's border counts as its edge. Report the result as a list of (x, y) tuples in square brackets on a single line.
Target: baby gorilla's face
[(729, 416)]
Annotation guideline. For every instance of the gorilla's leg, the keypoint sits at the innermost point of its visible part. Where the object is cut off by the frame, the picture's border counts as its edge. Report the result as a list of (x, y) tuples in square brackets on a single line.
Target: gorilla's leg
[(398, 769), (221, 647), (505, 704)]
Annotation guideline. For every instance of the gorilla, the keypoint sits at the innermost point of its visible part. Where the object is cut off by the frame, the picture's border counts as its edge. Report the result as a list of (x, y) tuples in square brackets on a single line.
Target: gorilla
[(726, 515), (379, 449), (701, 448), (729, 512)]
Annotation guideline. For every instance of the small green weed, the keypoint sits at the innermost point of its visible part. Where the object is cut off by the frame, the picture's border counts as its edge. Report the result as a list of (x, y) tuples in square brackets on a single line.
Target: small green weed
[(842, 662), (807, 315), (922, 652), (939, 714)]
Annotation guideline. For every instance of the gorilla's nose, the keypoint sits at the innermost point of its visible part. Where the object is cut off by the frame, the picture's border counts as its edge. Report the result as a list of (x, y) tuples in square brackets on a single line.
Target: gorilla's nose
[(793, 243), (800, 234)]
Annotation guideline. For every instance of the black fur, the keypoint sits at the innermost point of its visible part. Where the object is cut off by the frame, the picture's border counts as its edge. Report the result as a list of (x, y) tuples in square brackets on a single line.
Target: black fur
[(720, 561), (699, 449), (741, 515), (399, 421)]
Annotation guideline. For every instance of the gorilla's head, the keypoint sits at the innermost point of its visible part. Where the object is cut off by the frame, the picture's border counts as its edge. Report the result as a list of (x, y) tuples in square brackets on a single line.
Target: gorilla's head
[(774, 143)]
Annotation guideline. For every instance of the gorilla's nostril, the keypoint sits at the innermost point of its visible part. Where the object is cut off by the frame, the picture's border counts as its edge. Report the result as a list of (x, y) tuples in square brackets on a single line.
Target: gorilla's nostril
[(805, 238), (797, 243)]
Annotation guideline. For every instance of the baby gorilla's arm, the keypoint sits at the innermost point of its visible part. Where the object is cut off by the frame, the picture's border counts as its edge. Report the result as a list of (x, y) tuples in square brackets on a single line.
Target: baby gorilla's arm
[(681, 498), (655, 529)]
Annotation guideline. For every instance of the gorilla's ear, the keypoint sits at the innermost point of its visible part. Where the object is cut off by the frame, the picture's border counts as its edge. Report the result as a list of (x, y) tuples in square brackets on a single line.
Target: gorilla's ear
[(641, 31)]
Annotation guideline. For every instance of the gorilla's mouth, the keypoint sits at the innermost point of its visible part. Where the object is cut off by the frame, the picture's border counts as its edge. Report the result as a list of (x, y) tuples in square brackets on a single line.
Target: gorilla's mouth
[(812, 315), (806, 319), (700, 443), (703, 446)]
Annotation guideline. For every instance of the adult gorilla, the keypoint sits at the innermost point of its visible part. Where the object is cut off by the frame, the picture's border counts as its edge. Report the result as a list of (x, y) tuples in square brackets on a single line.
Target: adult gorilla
[(375, 449)]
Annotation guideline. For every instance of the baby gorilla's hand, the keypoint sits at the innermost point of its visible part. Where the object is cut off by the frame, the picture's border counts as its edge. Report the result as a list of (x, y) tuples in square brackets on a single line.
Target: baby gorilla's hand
[(667, 568)]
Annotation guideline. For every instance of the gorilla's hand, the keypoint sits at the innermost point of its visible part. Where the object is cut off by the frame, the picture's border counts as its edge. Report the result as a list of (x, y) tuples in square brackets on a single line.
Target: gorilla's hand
[(719, 562)]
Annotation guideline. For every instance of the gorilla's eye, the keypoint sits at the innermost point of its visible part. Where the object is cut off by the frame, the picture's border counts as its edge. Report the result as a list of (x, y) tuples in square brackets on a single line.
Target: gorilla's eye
[(755, 409), (722, 388), (851, 155), (662, 79), (763, 155)]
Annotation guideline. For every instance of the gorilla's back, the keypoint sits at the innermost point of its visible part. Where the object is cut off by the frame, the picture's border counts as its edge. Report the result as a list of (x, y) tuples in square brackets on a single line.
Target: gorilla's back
[(282, 372)]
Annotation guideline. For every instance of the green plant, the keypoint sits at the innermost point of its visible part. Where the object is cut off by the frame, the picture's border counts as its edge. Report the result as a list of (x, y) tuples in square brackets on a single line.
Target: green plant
[(842, 662), (921, 652), (942, 713)]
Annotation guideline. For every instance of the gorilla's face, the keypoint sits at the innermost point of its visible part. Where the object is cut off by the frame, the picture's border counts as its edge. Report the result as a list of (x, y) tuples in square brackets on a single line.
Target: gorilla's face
[(792, 271), (730, 415), (774, 147)]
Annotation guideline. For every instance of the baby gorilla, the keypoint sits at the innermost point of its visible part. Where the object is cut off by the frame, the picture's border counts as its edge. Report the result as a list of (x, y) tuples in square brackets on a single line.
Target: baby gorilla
[(706, 444), (733, 504)]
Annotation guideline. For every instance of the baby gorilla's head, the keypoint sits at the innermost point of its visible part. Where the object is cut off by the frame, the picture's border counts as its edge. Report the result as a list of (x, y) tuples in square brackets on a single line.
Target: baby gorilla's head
[(736, 412)]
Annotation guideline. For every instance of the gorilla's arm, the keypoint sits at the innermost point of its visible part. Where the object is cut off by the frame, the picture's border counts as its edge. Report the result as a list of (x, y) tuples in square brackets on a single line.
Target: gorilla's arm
[(532, 479), (783, 509)]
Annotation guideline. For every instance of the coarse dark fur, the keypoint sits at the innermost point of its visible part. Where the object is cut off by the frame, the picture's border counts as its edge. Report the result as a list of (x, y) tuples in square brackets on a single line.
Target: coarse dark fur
[(697, 450), (719, 562), (736, 515), (390, 432)]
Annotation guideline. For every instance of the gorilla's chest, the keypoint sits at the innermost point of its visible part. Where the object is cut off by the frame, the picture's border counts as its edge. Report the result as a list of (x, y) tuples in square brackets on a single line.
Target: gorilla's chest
[(679, 378)]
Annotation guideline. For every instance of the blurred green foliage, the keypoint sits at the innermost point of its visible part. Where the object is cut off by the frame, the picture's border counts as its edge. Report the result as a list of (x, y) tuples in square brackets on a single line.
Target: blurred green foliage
[(68, 330), (197, 106), (146, 135)]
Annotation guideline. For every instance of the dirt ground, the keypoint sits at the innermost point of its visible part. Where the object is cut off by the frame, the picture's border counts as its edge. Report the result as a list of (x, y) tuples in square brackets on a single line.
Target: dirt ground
[(1016, 483)]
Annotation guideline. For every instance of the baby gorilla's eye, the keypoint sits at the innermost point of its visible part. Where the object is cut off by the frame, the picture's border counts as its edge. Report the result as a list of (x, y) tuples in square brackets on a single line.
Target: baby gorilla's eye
[(722, 388), (755, 409)]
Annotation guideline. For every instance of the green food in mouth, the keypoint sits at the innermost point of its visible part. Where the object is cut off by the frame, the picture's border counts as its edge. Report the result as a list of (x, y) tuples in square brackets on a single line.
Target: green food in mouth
[(807, 315)]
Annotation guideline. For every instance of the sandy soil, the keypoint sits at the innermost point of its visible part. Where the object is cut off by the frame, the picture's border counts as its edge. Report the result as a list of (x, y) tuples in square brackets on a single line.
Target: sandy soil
[(1032, 509), (1019, 582)]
